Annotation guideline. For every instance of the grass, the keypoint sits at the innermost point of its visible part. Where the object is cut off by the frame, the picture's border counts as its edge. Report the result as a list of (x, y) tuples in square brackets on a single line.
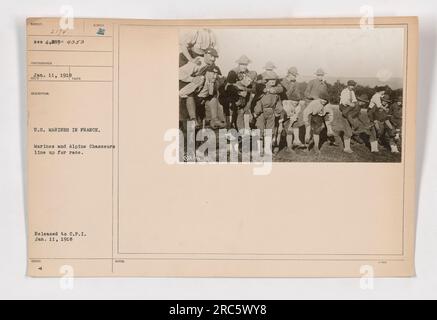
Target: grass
[(335, 153), (332, 153)]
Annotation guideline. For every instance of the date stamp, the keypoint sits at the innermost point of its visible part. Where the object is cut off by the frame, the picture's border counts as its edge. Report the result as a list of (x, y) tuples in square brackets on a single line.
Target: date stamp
[(58, 237)]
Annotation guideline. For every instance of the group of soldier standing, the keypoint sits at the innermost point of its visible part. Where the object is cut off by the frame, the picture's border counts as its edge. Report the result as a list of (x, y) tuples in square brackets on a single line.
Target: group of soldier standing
[(245, 100)]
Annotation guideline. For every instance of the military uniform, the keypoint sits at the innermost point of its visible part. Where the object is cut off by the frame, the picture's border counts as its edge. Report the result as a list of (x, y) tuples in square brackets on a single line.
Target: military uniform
[(376, 100), (196, 42), (317, 116), (191, 77), (236, 94), (290, 89), (244, 109), (241, 73), (207, 100), (290, 115), (266, 110), (348, 105), (380, 130), (315, 89), (395, 111), (198, 91)]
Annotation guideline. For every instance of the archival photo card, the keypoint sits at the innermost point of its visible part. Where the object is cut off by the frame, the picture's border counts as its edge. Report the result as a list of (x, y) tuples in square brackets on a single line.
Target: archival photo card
[(221, 148)]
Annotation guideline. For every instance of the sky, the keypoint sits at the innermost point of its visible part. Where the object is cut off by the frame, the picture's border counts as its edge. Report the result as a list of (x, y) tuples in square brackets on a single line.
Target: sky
[(340, 52)]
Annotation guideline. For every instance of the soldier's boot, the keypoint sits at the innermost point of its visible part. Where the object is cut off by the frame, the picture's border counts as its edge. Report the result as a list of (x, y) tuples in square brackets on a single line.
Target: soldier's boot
[(357, 139), (297, 143), (191, 108), (347, 146), (229, 122), (329, 130), (275, 146), (246, 118), (260, 145), (275, 141), (316, 138), (215, 122), (331, 135), (290, 142), (332, 141), (374, 146), (394, 148)]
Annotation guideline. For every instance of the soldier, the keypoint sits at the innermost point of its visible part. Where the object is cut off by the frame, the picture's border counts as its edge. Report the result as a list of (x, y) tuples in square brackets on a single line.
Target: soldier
[(242, 68), (376, 99), (269, 66), (247, 94), (382, 129), (290, 84), (236, 90), (194, 81), (228, 97), (375, 104), (363, 103), (290, 113), (269, 106), (348, 102), (194, 44), (358, 125), (235, 96), (395, 112), (317, 115), (260, 86), (291, 90), (316, 87), (207, 98)]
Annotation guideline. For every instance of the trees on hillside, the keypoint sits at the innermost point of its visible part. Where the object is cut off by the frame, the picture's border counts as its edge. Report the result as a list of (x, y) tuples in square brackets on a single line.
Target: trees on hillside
[(335, 89)]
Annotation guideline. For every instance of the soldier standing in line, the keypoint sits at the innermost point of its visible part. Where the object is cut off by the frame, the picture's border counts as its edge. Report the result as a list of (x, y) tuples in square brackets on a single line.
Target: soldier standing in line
[(290, 113), (290, 83), (260, 89), (348, 101), (269, 70), (269, 67), (269, 106), (236, 92), (382, 128), (192, 82), (291, 93), (316, 87), (359, 126), (317, 115), (207, 98), (194, 44), (247, 95), (242, 67), (395, 111), (376, 98)]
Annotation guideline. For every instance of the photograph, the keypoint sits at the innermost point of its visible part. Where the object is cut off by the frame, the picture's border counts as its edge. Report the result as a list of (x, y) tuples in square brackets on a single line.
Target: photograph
[(296, 94)]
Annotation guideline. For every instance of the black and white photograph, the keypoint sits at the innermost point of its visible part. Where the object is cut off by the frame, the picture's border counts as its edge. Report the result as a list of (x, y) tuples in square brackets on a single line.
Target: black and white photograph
[(292, 95)]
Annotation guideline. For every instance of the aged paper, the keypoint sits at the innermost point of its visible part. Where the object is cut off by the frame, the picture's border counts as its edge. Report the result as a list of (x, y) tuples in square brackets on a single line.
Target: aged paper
[(138, 162)]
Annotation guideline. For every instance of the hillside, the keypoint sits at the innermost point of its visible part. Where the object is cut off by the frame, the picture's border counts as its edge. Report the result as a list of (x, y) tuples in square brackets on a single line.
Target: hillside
[(394, 83)]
